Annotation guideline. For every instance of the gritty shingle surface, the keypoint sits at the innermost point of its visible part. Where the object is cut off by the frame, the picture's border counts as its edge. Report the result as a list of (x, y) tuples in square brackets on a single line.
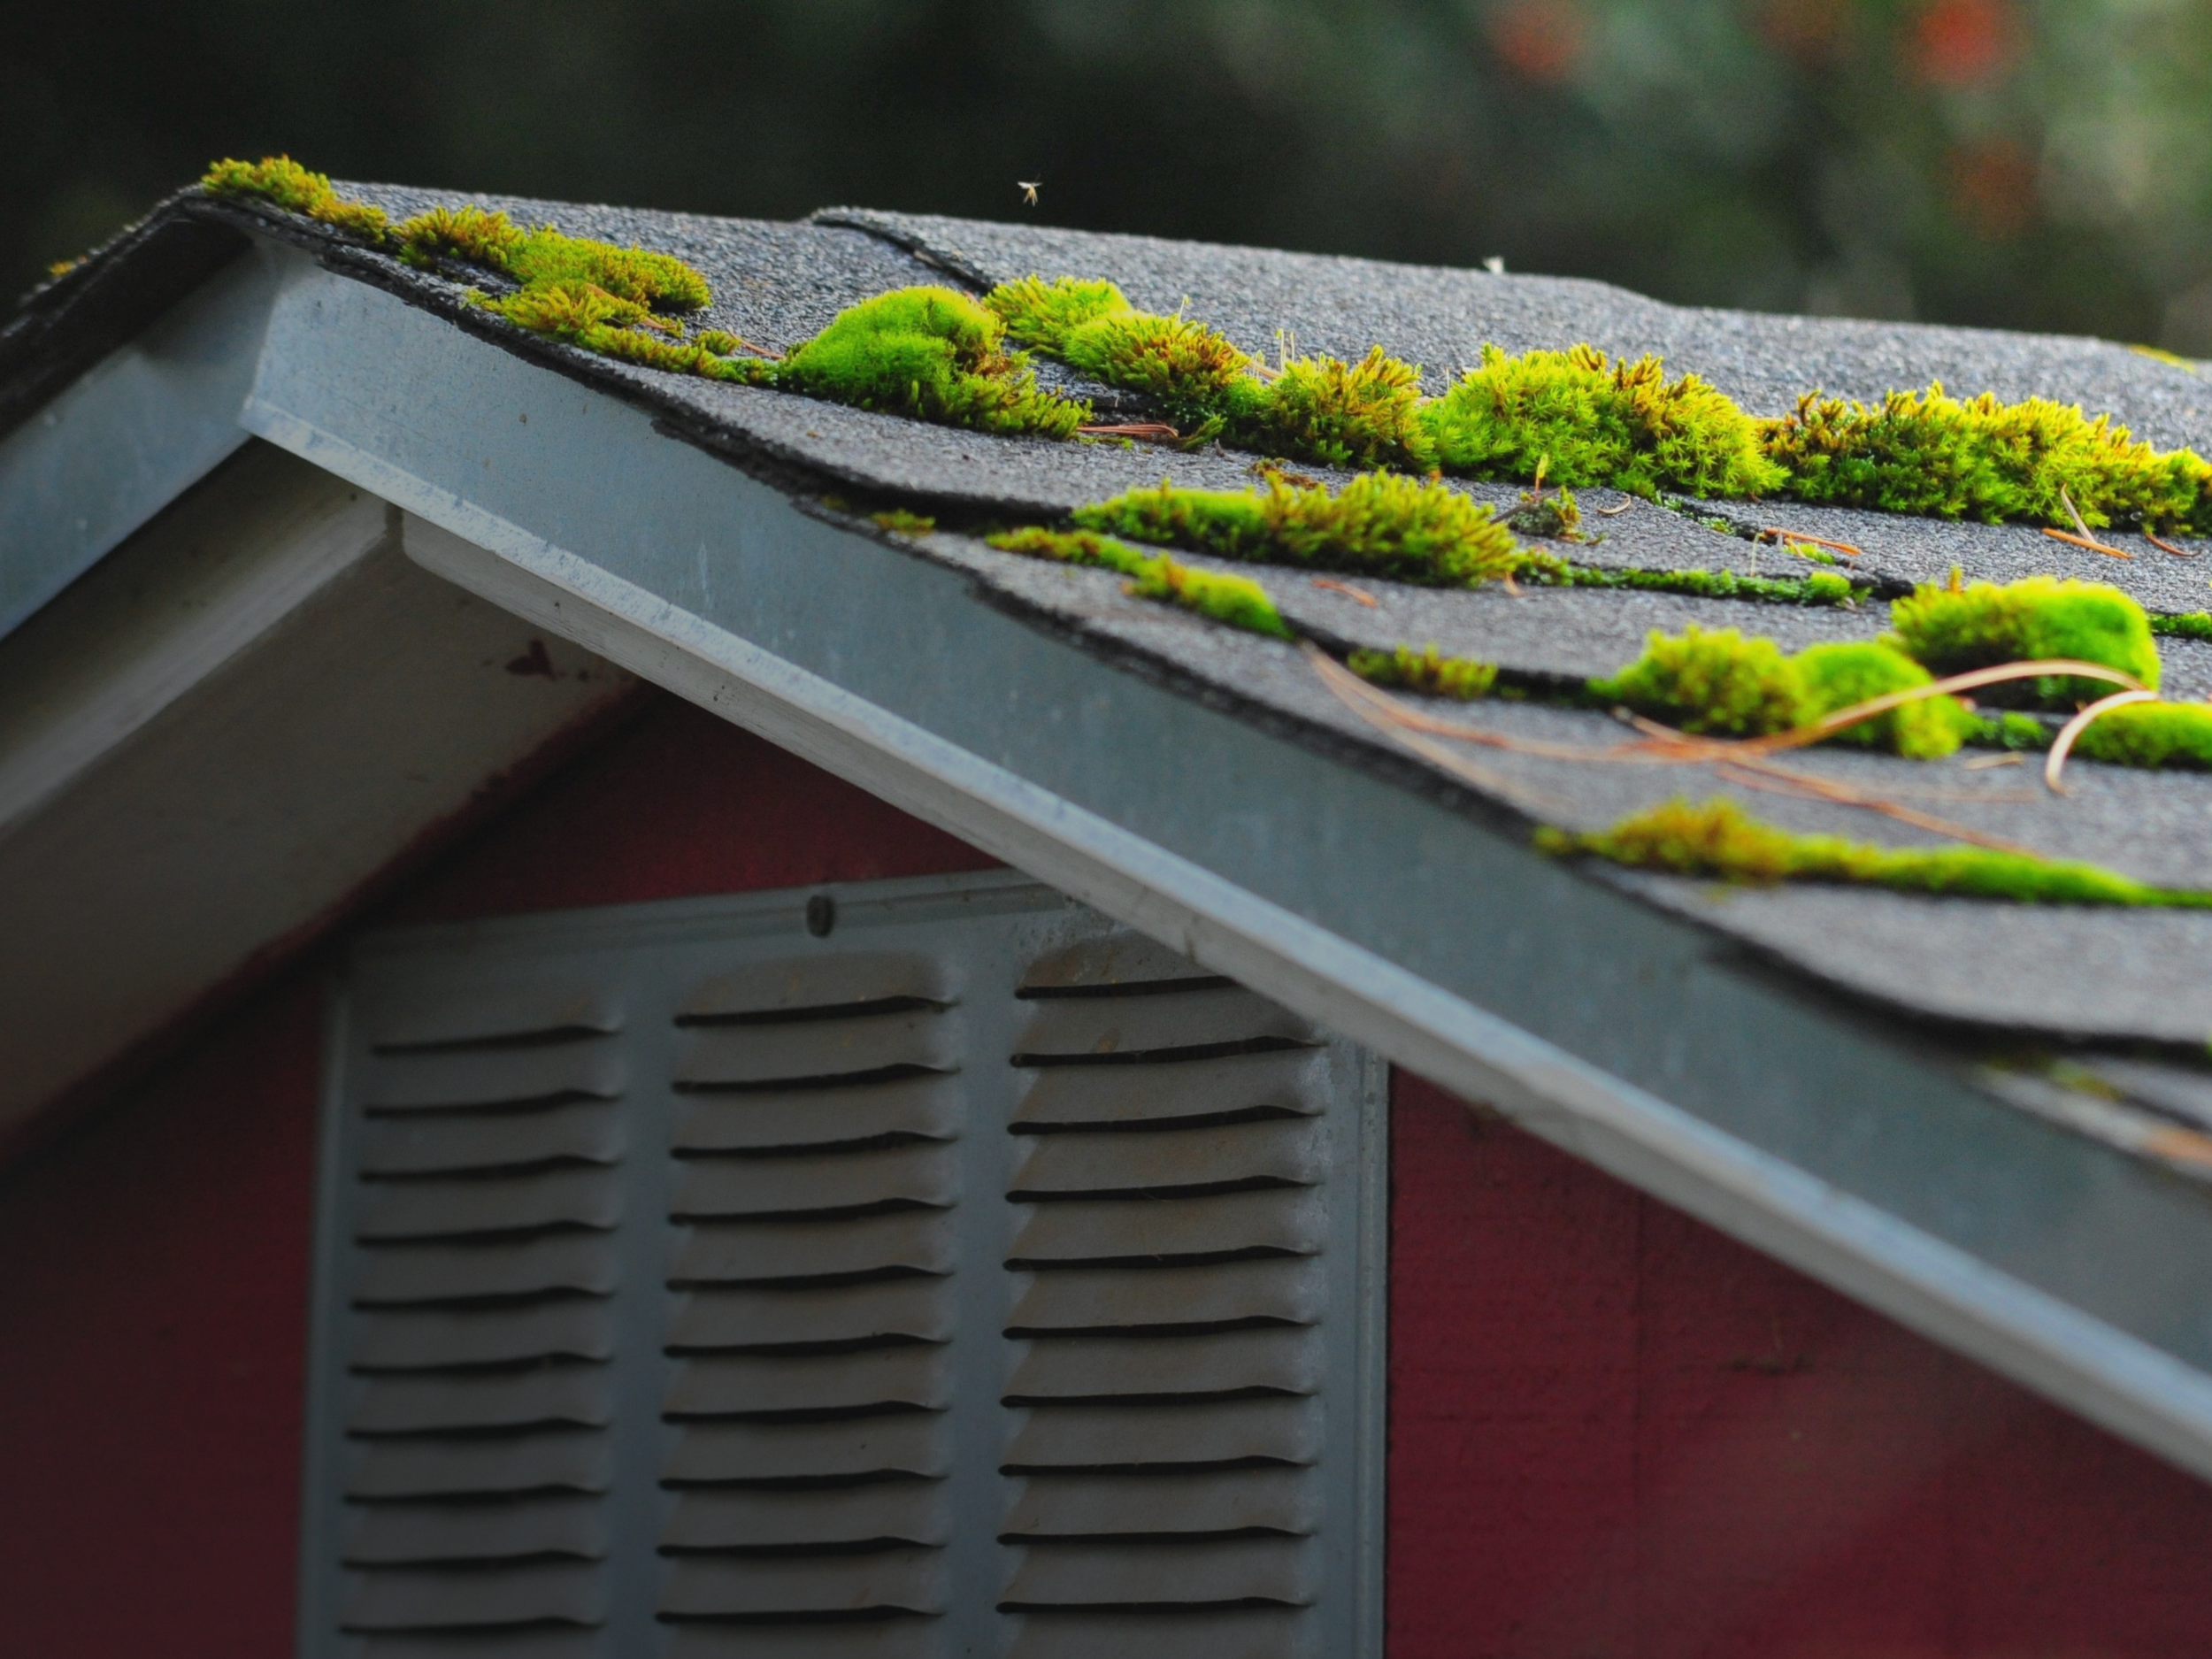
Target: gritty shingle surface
[(2100, 975)]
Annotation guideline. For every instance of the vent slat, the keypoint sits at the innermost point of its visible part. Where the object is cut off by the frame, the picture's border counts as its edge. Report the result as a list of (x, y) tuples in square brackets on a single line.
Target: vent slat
[(748, 1055), (401, 1274), (1283, 1149), (419, 1340), (763, 1252), (1287, 1292), (1165, 1437), (1091, 1506), (754, 1186), (910, 1309), (453, 1598), (910, 1511), (402, 1535), (1207, 1573), (910, 1375), (494, 1077), (1290, 1081), (910, 1638), (583, 1132), (912, 1443), (1120, 959), (1281, 1361), (462, 1208), (894, 1581), (1098, 1028), (806, 984), (926, 1107), (1291, 1220), (1260, 1633), (583, 1395), (485, 1014), (447, 1468), (564, 1642)]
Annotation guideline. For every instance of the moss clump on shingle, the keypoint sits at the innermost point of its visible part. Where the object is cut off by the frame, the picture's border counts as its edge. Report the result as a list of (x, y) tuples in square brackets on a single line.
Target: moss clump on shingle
[(1717, 683), (2187, 624), (1843, 675), (1710, 681), (1719, 840), (1428, 672), (284, 182), (1379, 525), (1227, 599), (1931, 454), (547, 258), (1953, 629), (931, 353), (1309, 408), (2150, 734), (1587, 420), (1820, 588)]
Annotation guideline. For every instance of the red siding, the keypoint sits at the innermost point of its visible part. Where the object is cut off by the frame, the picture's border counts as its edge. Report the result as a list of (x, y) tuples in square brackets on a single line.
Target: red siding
[(1615, 1432), (153, 1261)]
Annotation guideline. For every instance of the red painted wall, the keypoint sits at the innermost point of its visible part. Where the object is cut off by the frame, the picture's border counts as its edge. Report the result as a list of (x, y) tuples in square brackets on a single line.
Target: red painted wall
[(153, 1262), (1615, 1432)]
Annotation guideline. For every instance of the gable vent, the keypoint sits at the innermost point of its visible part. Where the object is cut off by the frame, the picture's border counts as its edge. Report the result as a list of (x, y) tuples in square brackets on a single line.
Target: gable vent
[(815, 1175), (977, 1278), (486, 1185), (1165, 1385)]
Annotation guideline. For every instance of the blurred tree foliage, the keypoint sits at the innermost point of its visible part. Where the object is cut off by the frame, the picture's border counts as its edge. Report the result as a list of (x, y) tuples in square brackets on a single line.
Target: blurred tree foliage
[(2038, 164)]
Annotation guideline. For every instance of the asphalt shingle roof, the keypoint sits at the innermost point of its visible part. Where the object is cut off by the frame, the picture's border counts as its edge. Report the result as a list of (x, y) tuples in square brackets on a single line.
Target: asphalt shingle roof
[(2107, 976)]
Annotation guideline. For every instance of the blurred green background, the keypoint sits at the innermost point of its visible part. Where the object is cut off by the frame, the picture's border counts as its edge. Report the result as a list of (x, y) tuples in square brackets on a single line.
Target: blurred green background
[(2032, 164)]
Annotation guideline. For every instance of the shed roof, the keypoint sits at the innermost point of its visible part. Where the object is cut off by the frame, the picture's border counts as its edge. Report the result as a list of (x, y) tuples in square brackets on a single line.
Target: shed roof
[(1418, 867)]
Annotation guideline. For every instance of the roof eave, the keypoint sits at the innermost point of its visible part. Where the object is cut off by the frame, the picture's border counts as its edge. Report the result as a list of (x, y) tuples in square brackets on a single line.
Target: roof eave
[(1417, 923)]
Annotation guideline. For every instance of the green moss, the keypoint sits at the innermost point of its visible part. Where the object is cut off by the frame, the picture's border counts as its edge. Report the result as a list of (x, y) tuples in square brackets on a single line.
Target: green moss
[(1309, 408), (1428, 672), (898, 519), (2006, 729), (2150, 734), (1399, 528), (546, 257), (2189, 625), (1718, 839), (931, 353), (284, 182), (1554, 515), (1587, 420), (1955, 629), (1931, 454), (1227, 599), (1718, 681), (1820, 589), (1710, 681), (1842, 675)]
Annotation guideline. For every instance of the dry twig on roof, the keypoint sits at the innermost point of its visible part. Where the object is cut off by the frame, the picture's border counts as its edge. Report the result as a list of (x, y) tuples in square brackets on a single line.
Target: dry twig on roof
[(1775, 533), (1364, 598), (2070, 733), (2165, 546)]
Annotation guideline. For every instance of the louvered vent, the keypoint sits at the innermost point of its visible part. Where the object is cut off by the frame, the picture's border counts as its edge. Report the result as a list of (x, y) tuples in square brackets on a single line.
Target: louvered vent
[(487, 1187), (816, 1172), (1168, 1296)]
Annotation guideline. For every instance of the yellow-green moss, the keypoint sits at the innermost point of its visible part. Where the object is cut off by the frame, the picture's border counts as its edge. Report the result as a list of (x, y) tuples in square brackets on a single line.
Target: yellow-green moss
[(1379, 525), (1710, 681), (283, 181), (1952, 629), (1587, 420), (1821, 588), (901, 522), (546, 257), (1227, 599), (1931, 454), (1717, 839), (931, 353), (1718, 681), (2150, 734), (2187, 624), (1427, 672)]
